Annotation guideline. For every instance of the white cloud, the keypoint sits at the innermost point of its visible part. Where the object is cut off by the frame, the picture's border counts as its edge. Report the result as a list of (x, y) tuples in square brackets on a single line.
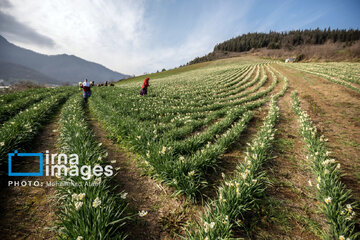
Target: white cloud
[(13, 29), (98, 31), (117, 33)]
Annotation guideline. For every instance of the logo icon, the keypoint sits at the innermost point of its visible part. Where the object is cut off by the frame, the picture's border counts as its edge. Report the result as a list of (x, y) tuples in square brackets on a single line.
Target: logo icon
[(25, 174)]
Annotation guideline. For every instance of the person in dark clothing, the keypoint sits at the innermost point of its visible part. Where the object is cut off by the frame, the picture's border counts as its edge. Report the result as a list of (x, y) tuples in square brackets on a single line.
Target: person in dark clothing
[(145, 86)]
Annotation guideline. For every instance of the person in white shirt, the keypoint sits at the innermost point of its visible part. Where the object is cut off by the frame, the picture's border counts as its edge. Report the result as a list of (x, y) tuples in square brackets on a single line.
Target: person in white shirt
[(86, 90)]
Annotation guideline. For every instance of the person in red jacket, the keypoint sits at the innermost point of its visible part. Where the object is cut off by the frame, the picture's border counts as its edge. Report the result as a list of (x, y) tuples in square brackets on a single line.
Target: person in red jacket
[(86, 90), (145, 86)]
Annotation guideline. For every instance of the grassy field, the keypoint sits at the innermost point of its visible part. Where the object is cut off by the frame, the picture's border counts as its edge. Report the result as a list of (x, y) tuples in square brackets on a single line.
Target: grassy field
[(236, 148), (179, 70)]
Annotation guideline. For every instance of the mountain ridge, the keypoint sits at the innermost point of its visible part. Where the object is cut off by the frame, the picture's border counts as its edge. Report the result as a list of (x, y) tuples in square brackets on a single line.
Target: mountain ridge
[(12, 73), (62, 67)]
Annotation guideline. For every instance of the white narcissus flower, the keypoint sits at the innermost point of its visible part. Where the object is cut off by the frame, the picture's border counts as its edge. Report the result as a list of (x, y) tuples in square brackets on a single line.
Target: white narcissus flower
[(97, 202), (2, 144), (163, 150), (74, 196), (79, 238), (244, 175), (78, 205), (328, 200), (310, 183), (81, 196), (209, 226), (123, 195), (143, 213), (349, 207)]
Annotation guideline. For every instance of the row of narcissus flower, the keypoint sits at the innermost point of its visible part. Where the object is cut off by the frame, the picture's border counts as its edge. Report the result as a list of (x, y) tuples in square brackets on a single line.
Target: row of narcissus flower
[(7, 111), (330, 190), (10, 97), (234, 192), (153, 112), (344, 71), (18, 131), (162, 108), (87, 211), (334, 74), (157, 140), (26, 102), (238, 194)]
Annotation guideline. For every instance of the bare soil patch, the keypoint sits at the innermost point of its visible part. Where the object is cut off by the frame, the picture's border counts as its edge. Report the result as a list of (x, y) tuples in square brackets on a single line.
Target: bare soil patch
[(28, 212), (166, 215), (335, 110), (294, 213)]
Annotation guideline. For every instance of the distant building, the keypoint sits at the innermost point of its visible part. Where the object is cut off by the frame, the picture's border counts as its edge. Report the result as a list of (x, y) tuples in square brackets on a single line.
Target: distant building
[(2, 85), (290, 60)]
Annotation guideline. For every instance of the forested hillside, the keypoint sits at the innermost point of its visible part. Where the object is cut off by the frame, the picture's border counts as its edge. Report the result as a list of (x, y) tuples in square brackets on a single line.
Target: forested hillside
[(287, 41), (276, 40)]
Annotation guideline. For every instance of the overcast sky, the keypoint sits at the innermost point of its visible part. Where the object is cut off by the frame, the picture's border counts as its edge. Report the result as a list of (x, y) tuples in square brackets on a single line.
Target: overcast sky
[(137, 36)]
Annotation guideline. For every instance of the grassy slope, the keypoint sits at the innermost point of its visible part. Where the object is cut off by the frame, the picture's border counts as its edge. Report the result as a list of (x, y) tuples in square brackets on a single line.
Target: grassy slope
[(165, 73), (189, 68)]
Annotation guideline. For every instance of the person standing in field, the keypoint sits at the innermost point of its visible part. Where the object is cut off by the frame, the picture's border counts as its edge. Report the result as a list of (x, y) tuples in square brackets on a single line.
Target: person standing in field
[(145, 86), (86, 90)]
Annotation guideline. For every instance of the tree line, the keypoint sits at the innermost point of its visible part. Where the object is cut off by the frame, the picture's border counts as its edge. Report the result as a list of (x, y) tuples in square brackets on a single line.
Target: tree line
[(287, 40)]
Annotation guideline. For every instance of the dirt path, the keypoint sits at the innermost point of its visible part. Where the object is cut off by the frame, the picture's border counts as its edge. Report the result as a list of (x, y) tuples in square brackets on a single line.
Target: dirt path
[(235, 154), (165, 216), (335, 110), (293, 214), (26, 212)]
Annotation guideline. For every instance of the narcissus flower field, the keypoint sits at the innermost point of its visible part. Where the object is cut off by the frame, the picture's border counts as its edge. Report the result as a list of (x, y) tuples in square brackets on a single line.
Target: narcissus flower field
[(178, 135)]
